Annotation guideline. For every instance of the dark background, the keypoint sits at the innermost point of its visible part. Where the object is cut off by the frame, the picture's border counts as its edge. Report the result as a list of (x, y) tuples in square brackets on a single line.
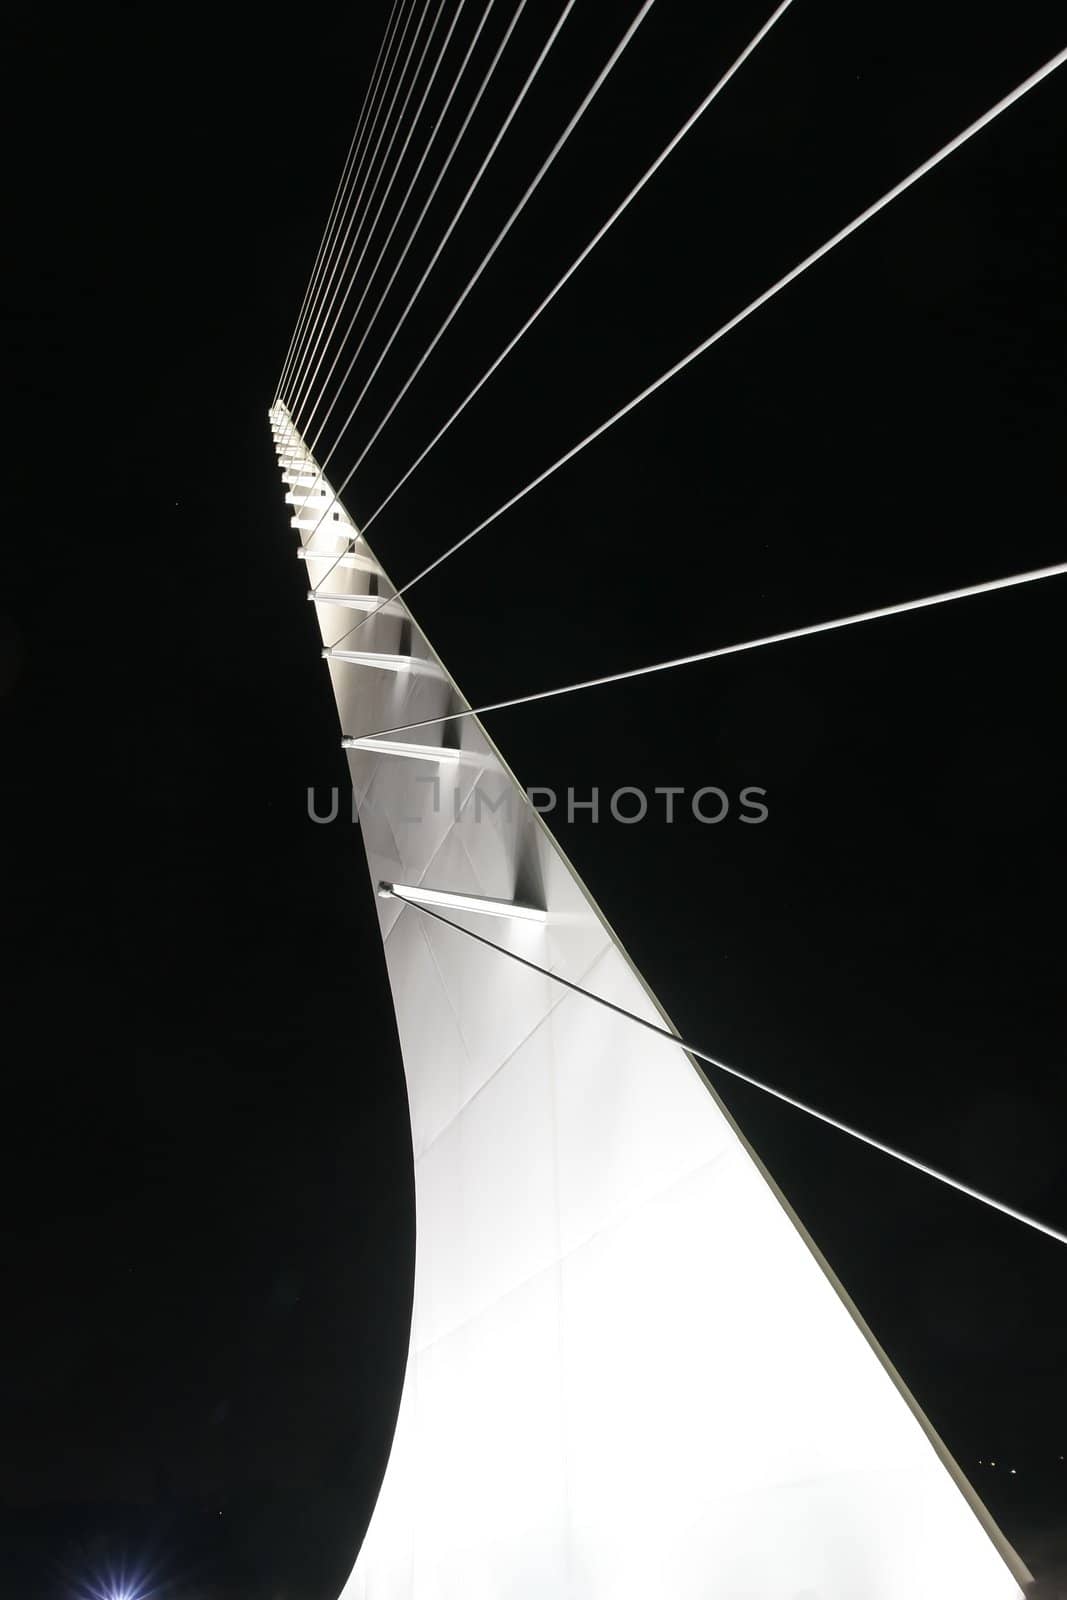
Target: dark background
[(207, 1189)]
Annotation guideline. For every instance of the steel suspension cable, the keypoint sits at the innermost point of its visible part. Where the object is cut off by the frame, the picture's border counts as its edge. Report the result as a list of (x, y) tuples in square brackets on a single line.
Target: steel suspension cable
[(392, 165), (605, 228), (528, 194), (383, 71), (415, 178), (320, 256), (323, 246), (719, 1065), (356, 214), (1036, 575), (353, 275), (432, 194), (776, 288), (509, 118)]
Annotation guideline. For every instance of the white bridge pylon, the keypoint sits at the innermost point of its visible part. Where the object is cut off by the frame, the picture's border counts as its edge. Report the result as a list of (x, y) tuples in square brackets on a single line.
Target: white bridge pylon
[(631, 1374)]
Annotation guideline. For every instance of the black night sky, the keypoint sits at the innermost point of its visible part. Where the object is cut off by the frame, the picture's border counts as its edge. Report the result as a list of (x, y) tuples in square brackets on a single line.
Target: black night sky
[(207, 1217)]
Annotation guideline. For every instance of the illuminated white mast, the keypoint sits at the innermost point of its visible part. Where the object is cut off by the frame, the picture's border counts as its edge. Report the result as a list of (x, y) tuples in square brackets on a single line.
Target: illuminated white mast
[(631, 1374)]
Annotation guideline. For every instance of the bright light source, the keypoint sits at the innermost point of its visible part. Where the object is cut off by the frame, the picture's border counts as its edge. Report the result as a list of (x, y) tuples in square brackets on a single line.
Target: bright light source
[(121, 1587)]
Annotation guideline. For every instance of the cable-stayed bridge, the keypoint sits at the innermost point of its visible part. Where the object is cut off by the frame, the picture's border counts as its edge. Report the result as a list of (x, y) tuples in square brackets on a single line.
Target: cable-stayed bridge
[(631, 1372)]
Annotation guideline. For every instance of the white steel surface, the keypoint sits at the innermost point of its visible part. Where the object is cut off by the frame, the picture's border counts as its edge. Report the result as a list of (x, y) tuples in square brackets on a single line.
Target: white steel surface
[(631, 1375)]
